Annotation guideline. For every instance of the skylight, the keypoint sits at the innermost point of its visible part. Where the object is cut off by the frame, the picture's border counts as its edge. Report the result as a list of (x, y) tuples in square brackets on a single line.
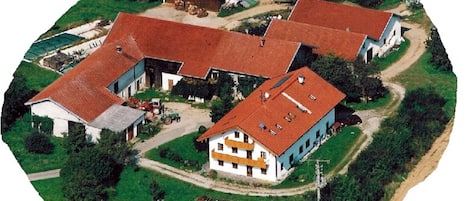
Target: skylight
[(281, 81)]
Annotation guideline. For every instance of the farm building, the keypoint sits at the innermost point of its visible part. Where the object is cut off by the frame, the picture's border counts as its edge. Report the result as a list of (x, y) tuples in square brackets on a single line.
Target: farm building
[(274, 127), (383, 29), (142, 52)]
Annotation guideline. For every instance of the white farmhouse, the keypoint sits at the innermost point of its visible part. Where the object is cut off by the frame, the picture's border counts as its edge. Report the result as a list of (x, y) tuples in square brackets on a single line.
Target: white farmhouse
[(274, 127)]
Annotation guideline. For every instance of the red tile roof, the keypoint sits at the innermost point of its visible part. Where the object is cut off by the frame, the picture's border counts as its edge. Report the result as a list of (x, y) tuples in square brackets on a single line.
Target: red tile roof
[(83, 90), (253, 111), (343, 17), (342, 43), (201, 48)]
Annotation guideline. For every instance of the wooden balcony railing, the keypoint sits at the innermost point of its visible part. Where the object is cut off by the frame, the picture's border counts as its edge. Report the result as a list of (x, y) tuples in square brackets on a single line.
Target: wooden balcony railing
[(260, 163), (239, 145)]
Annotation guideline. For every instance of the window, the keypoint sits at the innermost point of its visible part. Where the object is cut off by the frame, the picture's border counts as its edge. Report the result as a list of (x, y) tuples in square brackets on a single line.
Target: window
[(220, 146), (246, 138), (263, 154), (220, 163), (263, 171), (300, 150), (234, 150), (317, 134), (307, 143), (291, 159), (235, 165), (236, 134), (281, 166), (278, 126), (116, 87), (249, 154)]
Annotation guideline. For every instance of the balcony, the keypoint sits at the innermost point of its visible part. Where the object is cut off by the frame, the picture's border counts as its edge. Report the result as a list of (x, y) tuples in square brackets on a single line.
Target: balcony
[(260, 163), (239, 145)]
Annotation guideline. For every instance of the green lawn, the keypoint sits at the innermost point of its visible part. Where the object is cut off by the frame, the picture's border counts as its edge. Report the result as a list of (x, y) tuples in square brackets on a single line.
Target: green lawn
[(50, 189), (337, 149), (37, 78), (31, 162), (393, 56), (381, 102), (134, 185), (184, 146), (85, 11), (423, 74)]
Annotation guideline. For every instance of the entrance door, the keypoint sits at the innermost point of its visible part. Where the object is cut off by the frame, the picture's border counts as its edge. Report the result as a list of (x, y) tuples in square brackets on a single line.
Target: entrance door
[(130, 132), (249, 171), (369, 55), (170, 84)]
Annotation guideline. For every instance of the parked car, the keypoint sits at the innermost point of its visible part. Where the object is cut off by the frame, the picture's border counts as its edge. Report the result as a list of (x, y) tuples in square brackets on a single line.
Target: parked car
[(351, 120)]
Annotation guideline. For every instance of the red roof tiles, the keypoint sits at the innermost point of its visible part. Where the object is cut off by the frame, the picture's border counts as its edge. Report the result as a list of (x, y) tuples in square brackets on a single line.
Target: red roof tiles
[(342, 43), (202, 48), (285, 92), (83, 90), (343, 17)]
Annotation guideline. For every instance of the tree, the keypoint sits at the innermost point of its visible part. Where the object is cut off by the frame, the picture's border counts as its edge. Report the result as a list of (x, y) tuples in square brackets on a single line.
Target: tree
[(341, 187), (115, 146), (367, 80), (86, 175), (75, 139), (437, 49), (247, 84), (224, 89), (15, 97), (337, 72), (38, 143)]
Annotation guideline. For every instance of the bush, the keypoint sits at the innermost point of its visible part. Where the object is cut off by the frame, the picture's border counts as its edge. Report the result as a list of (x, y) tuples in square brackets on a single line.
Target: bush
[(44, 125), (38, 143), (202, 129)]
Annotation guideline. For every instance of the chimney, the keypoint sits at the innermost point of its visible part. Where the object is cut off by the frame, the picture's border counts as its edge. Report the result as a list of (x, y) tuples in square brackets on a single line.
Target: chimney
[(262, 42), (301, 79), (347, 29), (118, 49)]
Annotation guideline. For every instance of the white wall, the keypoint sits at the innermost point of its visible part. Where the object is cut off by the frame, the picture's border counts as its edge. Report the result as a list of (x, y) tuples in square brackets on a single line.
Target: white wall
[(57, 113), (242, 169), (392, 30), (166, 77)]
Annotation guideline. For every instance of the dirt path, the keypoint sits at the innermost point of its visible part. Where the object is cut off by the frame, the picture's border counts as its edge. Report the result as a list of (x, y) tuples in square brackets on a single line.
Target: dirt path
[(427, 164)]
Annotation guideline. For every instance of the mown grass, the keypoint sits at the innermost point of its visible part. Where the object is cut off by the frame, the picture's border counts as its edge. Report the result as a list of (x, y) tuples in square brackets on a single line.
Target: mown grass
[(423, 74), (185, 148), (37, 78), (394, 56), (378, 103), (134, 185), (31, 162), (50, 189), (335, 150), (85, 11)]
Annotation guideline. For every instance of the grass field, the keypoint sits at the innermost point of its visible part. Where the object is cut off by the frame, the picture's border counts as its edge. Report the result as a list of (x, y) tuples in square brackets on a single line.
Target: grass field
[(134, 185), (85, 11), (184, 146), (37, 78), (31, 162), (50, 189), (423, 74), (335, 150)]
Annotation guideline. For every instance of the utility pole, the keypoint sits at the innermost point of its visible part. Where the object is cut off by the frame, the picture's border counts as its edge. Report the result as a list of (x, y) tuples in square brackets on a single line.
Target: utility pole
[(320, 179)]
